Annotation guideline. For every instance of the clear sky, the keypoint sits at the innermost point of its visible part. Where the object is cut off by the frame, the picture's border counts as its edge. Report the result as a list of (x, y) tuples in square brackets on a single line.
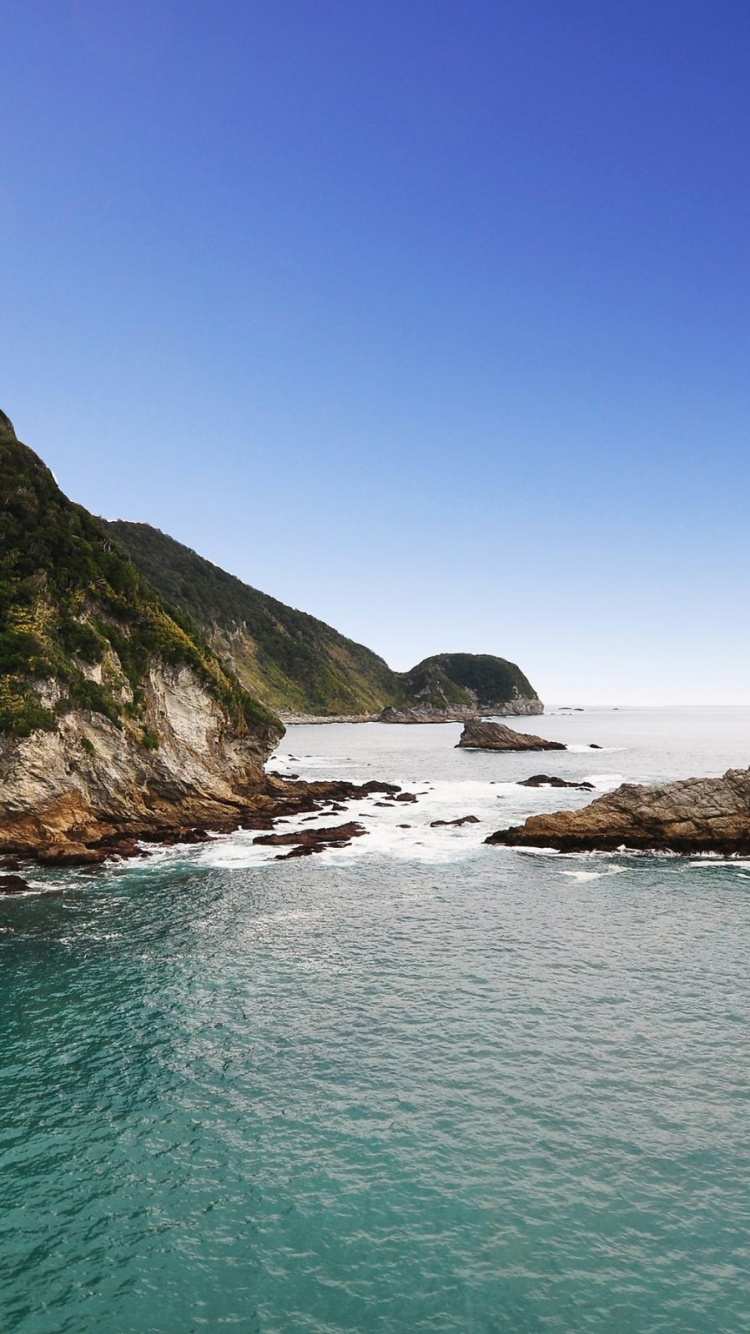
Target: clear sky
[(427, 316)]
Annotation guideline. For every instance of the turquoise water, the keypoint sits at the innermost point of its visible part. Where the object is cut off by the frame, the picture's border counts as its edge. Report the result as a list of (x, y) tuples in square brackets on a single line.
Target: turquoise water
[(419, 1085)]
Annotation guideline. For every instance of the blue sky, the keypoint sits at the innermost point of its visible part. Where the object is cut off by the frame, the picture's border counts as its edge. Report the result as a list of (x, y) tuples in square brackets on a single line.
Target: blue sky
[(428, 317)]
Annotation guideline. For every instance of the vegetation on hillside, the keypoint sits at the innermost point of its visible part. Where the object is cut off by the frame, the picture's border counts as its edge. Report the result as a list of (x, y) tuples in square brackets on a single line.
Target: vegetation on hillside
[(289, 659), (295, 662), (71, 599), (488, 680)]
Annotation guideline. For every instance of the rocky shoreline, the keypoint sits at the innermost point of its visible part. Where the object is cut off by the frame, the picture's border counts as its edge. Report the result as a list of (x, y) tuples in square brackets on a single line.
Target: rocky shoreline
[(694, 815), (519, 708), (276, 798)]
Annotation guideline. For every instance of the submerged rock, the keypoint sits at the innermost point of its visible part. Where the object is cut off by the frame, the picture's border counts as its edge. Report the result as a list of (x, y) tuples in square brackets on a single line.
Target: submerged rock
[(693, 815), (496, 736)]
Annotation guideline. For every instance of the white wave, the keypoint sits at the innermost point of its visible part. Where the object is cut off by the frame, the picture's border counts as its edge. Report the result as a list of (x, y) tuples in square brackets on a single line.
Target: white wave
[(594, 875), (574, 749)]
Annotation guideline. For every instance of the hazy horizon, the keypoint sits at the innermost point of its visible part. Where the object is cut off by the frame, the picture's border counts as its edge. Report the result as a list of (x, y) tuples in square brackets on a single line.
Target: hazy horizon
[(430, 321)]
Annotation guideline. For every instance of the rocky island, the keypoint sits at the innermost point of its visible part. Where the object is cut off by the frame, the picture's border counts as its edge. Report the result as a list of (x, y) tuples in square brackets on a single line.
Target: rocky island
[(479, 735), (693, 815)]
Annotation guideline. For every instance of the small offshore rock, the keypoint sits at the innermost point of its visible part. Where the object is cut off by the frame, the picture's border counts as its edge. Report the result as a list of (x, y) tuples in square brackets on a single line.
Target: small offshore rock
[(550, 780), (13, 884), (496, 736)]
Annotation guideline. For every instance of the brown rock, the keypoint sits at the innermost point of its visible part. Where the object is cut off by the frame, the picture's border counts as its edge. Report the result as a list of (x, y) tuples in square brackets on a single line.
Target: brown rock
[(496, 736), (71, 854), (310, 838), (694, 815)]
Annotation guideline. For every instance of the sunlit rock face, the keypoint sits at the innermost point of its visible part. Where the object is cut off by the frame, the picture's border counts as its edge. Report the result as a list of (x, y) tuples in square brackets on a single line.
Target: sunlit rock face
[(694, 815)]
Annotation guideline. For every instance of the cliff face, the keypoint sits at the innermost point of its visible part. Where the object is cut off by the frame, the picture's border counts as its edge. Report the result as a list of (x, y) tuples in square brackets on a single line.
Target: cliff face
[(694, 815), (301, 666), (115, 715)]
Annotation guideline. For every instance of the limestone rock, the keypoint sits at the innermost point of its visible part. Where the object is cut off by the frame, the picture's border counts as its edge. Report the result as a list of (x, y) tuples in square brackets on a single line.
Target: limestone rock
[(90, 782)]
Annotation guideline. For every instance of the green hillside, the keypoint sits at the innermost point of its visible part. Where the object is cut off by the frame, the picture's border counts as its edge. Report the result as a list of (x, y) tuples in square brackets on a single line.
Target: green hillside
[(73, 607), (296, 663), (489, 680), (289, 659)]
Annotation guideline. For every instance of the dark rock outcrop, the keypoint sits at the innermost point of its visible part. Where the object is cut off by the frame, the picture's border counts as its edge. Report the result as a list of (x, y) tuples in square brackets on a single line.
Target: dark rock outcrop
[(13, 884), (321, 837), (694, 815), (549, 780), (496, 736)]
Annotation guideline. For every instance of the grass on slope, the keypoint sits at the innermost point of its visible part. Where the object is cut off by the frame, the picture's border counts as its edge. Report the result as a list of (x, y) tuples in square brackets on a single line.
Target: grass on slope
[(292, 660)]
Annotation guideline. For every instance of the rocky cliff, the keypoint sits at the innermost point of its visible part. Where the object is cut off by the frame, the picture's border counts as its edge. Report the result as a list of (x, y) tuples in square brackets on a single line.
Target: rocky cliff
[(694, 815), (302, 667), (116, 716)]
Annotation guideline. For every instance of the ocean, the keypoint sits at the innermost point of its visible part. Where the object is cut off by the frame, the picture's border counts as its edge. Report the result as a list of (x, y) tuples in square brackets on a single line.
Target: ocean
[(417, 1084)]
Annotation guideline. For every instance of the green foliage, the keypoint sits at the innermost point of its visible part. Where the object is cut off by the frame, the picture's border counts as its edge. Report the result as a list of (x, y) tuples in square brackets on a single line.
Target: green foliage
[(89, 695), (88, 746), (81, 639), (291, 659), (486, 679), (21, 713), (150, 741), (296, 662), (70, 595)]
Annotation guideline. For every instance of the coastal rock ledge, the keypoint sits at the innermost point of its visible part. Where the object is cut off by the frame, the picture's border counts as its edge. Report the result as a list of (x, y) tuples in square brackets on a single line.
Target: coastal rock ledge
[(691, 816), (496, 736)]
